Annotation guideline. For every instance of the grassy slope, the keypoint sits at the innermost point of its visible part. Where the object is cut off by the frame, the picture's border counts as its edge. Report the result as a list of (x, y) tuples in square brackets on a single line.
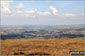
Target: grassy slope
[(58, 46)]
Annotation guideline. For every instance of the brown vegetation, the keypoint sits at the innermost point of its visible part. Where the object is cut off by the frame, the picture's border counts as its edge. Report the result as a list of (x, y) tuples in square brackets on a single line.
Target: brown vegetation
[(58, 46)]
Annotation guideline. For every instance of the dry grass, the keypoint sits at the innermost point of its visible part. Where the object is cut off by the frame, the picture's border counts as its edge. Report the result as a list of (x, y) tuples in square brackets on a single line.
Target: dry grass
[(58, 46)]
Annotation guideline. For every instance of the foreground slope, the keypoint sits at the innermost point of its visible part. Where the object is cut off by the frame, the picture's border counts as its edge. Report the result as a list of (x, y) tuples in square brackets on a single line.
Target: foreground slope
[(57, 46)]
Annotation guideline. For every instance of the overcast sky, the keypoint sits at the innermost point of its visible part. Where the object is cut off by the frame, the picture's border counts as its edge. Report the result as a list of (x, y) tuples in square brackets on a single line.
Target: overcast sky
[(42, 12)]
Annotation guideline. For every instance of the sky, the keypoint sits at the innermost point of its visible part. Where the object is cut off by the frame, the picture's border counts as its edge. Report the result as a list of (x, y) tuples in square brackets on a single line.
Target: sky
[(36, 12)]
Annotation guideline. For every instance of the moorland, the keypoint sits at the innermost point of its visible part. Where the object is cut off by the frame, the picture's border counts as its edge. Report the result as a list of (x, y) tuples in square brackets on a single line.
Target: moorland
[(41, 40)]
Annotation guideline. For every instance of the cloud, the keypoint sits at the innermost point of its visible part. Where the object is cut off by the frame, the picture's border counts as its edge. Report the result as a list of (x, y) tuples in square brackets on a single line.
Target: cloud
[(19, 6), (25, 16), (5, 10), (34, 12), (43, 13), (41, 20), (31, 11), (19, 12), (54, 10), (5, 7), (68, 14)]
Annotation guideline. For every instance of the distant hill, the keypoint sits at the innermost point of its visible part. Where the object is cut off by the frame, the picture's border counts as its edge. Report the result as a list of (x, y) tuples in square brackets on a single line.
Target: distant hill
[(56, 31)]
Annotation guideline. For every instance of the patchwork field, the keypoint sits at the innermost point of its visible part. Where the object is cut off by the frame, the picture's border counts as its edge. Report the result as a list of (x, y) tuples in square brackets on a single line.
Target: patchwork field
[(56, 46)]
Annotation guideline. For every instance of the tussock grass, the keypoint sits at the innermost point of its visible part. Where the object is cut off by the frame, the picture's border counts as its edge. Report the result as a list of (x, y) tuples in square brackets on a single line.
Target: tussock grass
[(57, 46)]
